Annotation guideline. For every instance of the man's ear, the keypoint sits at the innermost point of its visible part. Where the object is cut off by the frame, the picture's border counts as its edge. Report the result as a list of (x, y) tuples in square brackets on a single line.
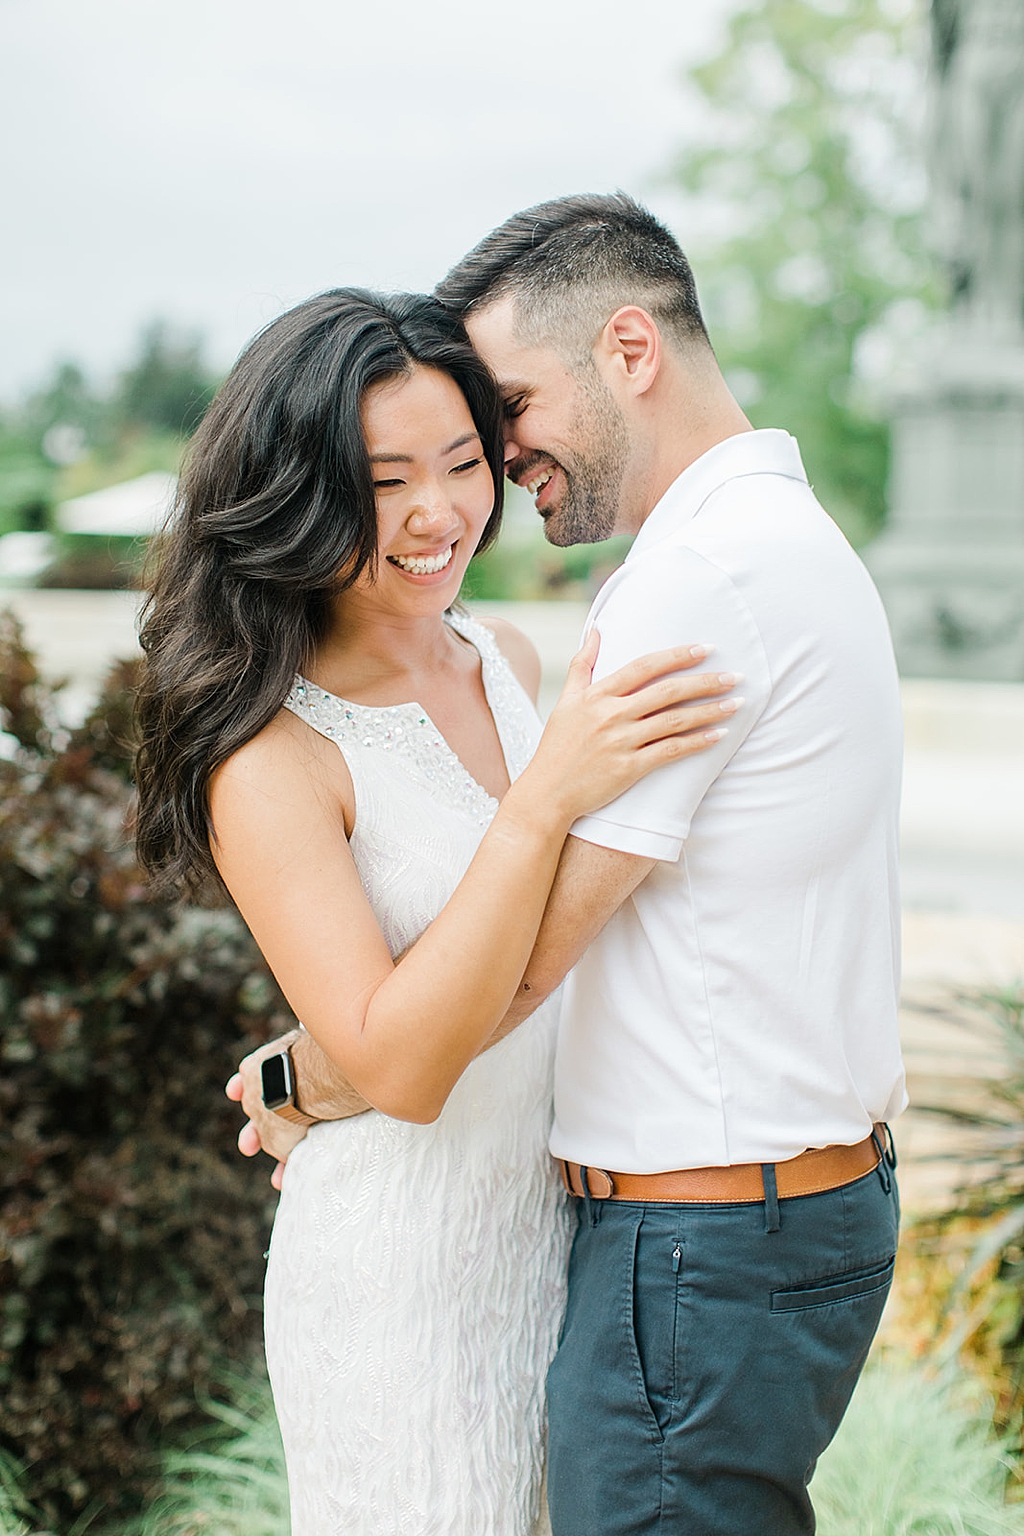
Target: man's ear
[(630, 345)]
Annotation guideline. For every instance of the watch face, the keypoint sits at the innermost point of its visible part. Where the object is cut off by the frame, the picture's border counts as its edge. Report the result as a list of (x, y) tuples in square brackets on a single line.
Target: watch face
[(276, 1072)]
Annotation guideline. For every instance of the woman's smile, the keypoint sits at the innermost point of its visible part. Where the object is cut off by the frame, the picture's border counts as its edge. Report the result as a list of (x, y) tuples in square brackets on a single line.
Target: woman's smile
[(422, 564), (432, 482)]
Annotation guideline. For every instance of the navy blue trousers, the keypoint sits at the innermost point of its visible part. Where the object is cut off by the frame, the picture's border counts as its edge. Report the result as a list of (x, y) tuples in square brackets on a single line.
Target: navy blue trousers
[(706, 1360)]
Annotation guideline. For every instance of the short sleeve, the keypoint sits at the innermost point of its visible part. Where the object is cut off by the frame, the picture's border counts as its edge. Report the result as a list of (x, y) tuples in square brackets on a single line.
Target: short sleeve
[(674, 596)]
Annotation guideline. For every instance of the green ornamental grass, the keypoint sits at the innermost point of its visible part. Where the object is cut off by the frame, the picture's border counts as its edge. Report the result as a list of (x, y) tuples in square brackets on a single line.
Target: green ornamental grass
[(15, 1509), (232, 1484), (915, 1456)]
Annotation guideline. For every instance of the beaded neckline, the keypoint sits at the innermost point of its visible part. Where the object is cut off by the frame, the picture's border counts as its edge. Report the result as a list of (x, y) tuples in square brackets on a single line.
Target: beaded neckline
[(408, 731)]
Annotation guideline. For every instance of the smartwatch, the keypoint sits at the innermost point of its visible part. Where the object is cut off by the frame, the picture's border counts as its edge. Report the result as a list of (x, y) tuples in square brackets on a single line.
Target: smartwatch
[(278, 1076)]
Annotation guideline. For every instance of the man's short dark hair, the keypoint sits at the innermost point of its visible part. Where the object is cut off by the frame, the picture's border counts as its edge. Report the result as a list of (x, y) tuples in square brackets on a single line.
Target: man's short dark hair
[(569, 264)]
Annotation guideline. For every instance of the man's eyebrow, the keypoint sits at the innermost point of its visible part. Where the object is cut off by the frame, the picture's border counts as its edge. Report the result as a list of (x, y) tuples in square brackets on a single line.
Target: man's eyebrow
[(406, 458)]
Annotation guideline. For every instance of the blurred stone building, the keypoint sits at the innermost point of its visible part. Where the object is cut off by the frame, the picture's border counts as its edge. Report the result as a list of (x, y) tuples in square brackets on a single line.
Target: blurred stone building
[(950, 565)]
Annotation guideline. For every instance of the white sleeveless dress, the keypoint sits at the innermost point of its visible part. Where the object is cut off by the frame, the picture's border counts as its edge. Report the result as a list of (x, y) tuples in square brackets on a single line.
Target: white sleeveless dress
[(416, 1274)]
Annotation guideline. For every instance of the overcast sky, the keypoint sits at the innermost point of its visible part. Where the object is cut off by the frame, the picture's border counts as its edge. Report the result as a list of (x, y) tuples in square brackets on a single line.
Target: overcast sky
[(212, 161)]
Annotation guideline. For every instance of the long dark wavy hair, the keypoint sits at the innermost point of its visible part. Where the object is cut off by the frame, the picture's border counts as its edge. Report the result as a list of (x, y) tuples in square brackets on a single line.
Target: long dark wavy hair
[(275, 500)]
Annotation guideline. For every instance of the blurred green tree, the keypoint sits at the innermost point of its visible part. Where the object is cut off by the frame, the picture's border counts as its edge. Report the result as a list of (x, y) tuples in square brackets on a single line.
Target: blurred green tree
[(67, 401), (69, 437), (168, 387), (809, 184), (48, 430), (26, 482)]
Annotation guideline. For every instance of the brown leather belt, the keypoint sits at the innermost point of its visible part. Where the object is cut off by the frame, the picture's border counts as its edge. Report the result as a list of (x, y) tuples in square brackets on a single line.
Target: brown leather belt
[(810, 1173)]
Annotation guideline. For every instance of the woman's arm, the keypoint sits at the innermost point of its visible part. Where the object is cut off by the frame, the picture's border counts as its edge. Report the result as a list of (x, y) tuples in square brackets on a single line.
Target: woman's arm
[(590, 885), (326, 1093), (403, 1034)]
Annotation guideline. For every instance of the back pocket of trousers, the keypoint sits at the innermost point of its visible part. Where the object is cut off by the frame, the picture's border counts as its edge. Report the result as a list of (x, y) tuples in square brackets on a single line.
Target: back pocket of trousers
[(833, 1288)]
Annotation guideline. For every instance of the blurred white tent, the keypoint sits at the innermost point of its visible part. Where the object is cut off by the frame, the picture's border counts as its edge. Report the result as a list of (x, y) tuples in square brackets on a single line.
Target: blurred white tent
[(134, 509), (24, 556)]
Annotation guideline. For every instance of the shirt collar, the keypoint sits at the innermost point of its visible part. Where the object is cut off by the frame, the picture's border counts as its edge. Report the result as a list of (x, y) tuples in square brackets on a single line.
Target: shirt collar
[(769, 451)]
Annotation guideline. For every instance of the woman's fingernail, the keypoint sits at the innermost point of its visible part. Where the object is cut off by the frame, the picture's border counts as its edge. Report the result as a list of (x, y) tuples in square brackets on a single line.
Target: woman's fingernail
[(730, 679), (697, 651), (730, 706), (716, 734)]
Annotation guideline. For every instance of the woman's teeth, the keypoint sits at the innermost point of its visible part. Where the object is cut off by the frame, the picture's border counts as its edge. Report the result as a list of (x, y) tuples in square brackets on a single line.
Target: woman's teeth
[(533, 486), (422, 565)]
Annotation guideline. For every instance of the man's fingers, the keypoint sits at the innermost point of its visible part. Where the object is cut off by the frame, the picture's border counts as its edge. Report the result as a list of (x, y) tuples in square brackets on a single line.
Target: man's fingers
[(277, 1177), (234, 1088), (249, 1140)]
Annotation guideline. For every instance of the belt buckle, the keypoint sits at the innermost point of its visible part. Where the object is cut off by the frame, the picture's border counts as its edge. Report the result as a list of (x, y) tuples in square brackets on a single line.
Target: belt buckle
[(605, 1187)]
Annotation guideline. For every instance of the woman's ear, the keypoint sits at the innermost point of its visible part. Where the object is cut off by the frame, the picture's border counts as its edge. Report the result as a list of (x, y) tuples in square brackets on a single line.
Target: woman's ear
[(630, 345)]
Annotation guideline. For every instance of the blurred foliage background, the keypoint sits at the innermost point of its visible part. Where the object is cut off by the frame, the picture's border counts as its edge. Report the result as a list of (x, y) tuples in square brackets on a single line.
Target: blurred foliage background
[(131, 1232), (72, 436), (802, 211), (806, 201), (801, 208)]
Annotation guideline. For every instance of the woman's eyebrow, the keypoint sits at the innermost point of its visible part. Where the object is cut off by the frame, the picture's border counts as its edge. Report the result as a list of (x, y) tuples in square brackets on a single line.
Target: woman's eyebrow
[(460, 442), (406, 458)]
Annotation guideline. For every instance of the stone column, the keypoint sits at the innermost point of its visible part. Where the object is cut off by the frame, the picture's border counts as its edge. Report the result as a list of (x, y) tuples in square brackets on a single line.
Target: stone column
[(950, 565)]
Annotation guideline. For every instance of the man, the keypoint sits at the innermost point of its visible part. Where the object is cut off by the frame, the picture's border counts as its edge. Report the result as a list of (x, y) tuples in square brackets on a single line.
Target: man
[(728, 1041)]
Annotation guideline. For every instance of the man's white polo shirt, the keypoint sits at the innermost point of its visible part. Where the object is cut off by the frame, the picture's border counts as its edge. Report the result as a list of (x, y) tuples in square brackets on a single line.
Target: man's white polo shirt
[(741, 1005)]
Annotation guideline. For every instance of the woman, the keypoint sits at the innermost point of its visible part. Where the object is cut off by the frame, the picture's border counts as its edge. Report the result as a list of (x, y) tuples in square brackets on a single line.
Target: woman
[(342, 479)]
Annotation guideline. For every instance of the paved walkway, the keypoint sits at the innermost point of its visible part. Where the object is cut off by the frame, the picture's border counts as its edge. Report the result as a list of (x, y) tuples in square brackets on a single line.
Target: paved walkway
[(963, 832), (76, 635)]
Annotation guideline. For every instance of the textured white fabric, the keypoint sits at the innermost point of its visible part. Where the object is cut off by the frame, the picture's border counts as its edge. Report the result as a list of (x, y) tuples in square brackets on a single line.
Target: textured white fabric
[(741, 1006), (416, 1277)]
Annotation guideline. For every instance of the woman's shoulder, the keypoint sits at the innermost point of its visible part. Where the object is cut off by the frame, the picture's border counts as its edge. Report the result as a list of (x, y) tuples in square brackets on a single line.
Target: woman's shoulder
[(285, 757), (519, 651)]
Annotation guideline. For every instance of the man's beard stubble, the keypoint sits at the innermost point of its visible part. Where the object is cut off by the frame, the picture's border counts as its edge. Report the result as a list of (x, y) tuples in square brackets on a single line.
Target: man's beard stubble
[(591, 504)]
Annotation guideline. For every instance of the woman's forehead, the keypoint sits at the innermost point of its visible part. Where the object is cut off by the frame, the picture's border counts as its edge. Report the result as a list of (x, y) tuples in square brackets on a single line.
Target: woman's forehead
[(422, 408)]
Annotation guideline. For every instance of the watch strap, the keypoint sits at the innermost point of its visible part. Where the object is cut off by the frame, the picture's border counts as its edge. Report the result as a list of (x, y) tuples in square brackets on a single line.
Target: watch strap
[(295, 1115)]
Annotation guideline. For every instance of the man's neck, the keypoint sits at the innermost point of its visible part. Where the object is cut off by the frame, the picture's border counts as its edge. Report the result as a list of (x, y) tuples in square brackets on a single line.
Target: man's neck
[(689, 419)]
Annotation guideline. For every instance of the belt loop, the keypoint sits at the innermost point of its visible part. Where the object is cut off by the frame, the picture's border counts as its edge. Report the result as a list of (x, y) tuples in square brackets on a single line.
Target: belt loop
[(771, 1198), (883, 1165), (592, 1208)]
